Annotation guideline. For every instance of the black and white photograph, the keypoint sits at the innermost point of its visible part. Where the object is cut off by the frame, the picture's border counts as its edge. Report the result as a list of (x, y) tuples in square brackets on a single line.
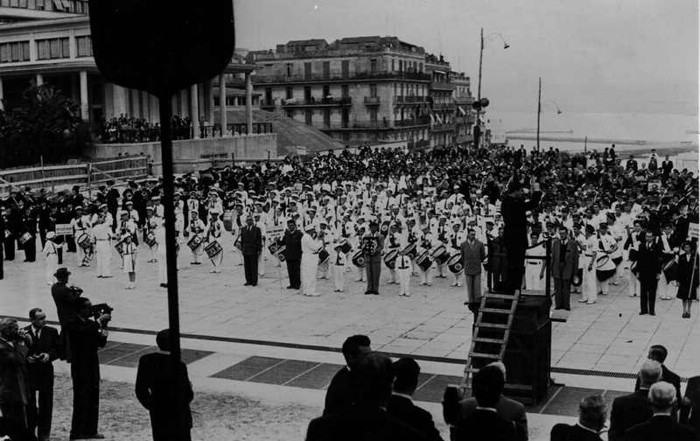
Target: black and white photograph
[(333, 220)]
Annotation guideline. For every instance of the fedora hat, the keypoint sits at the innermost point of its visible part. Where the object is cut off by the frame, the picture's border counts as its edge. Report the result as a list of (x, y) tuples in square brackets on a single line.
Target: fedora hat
[(62, 272)]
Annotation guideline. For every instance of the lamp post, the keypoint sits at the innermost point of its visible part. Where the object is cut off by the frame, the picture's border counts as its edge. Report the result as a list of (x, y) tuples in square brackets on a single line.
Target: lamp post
[(478, 105), (539, 111)]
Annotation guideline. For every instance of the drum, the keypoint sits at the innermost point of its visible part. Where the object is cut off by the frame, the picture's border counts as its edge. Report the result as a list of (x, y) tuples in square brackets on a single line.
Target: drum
[(237, 243), (578, 278), (150, 239), (671, 271), (26, 237), (281, 255), (454, 264), (424, 261), (358, 259), (617, 260), (273, 248), (384, 228), (194, 242), (411, 251), (390, 259), (227, 219), (440, 254), (345, 247), (605, 268), (213, 249), (323, 256), (83, 240), (633, 255)]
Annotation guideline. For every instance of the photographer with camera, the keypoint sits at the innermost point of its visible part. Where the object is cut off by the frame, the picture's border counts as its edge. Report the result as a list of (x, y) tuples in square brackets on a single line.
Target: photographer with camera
[(15, 411), (87, 333), (66, 298)]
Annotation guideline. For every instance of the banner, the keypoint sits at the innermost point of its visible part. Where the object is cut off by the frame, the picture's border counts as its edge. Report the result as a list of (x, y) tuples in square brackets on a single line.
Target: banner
[(64, 230), (693, 230), (275, 232)]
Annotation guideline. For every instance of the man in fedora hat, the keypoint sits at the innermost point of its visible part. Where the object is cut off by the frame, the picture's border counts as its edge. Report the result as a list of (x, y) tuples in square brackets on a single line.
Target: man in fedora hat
[(66, 299)]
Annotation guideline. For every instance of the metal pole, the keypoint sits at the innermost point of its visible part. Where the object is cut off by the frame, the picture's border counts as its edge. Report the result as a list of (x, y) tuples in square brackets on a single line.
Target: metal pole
[(539, 111), (166, 147), (477, 133)]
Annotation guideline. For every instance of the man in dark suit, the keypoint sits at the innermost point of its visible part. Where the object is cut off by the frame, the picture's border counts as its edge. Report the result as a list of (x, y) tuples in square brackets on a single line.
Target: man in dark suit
[(372, 245), (659, 353), (484, 424), (507, 409), (14, 391), (401, 405), (630, 410), (156, 383), (473, 255), (564, 265), (649, 258), (86, 337), (513, 208), (66, 299), (339, 394), (43, 350), (292, 254), (662, 425), (592, 415), (367, 418), (112, 203), (251, 247)]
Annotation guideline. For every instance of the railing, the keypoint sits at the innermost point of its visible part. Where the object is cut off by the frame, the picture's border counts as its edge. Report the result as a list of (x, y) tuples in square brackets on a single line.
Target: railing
[(67, 6), (328, 101), (421, 144), (440, 106), (421, 121), (259, 78), (115, 135), (464, 100), (267, 104), (438, 85), (448, 127), (234, 129), (371, 100)]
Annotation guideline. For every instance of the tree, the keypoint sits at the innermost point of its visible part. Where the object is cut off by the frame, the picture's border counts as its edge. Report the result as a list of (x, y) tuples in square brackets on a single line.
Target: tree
[(46, 124)]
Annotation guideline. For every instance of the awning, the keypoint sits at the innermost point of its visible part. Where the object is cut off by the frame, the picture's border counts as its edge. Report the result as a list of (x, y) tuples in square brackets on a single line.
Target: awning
[(461, 110)]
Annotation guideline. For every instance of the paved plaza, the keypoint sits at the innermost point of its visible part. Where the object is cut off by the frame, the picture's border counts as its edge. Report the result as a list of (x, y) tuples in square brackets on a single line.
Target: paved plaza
[(608, 337)]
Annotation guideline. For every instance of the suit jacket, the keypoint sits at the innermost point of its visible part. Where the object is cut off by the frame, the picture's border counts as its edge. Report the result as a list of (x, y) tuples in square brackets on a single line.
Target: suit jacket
[(13, 374), (472, 256), (649, 260), (361, 424), (627, 411), (379, 241), (48, 343), (485, 425), (155, 383), (339, 395), (85, 341), (570, 266), (565, 432), (661, 427), (251, 240), (507, 409), (513, 213), (292, 244), (413, 416), (65, 299)]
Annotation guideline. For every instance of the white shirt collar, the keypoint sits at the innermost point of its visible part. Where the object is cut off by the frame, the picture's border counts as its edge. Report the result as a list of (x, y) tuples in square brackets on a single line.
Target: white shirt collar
[(490, 409), (398, 394), (587, 428)]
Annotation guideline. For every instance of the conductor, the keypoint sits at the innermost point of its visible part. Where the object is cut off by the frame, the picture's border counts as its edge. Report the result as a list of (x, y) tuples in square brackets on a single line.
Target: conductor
[(513, 208)]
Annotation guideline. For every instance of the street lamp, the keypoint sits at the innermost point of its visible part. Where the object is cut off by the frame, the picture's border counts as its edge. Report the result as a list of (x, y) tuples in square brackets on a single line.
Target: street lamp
[(539, 111), (479, 104)]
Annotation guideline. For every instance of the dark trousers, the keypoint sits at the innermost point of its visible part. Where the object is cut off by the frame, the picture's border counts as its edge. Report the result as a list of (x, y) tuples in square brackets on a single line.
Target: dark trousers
[(59, 253), (294, 271), (30, 250), (2, 259), (374, 269), (515, 261), (250, 265), (647, 297), (86, 405), (41, 424), (9, 248), (562, 293), (14, 419), (70, 243), (158, 436)]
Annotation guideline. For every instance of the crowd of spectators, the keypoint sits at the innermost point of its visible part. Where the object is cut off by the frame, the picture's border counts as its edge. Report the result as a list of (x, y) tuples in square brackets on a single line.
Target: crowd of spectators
[(127, 129)]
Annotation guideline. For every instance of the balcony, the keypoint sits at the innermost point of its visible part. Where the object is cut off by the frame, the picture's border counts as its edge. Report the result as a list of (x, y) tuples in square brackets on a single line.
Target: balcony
[(464, 100), (321, 78), (265, 105), (443, 128), (320, 102), (48, 8), (438, 85), (443, 106), (376, 125), (421, 121), (372, 101), (410, 100)]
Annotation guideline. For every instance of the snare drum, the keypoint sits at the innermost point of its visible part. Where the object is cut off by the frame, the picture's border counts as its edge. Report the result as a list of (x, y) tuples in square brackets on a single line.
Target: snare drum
[(411, 251), (83, 240), (440, 254), (358, 259), (424, 261), (345, 247), (605, 268), (281, 255), (323, 256), (390, 259), (150, 239), (454, 264), (213, 249), (25, 238), (194, 242), (273, 248)]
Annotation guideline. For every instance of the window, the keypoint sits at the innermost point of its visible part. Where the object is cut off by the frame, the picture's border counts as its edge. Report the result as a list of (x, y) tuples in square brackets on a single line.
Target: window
[(307, 70), (326, 91), (345, 67), (326, 118), (84, 44), (307, 94), (393, 64), (400, 65), (373, 90), (52, 48), (290, 93), (373, 115), (290, 114), (326, 69), (290, 69), (268, 95), (373, 65), (309, 116), (14, 52), (345, 90)]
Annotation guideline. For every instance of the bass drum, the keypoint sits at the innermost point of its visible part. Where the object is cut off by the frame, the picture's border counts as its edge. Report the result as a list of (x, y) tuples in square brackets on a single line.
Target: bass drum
[(390, 259), (424, 261), (454, 264), (411, 251), (440, 254), (358, 259), (323, 257)]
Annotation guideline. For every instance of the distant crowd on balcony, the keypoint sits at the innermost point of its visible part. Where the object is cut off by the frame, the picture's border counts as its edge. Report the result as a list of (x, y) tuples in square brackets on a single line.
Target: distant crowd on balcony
[(127, 129)]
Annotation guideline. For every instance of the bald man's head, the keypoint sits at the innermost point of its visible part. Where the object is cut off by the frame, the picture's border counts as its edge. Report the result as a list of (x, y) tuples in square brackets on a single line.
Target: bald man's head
[(650, 373), (662, 396)]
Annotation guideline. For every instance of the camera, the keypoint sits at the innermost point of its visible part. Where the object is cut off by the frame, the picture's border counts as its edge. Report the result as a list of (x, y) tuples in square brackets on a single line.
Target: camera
[(101, 309)]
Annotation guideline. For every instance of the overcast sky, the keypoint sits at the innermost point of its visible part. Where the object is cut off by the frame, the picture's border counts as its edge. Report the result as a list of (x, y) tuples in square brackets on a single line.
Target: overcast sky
[(636, 56)]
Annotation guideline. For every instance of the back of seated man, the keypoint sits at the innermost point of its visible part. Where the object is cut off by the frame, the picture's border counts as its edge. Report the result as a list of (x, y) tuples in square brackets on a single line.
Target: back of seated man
[(662, 426), (401, 405), (484, 424), (592, 414), (630, 410), (366, 418), (509, 410), (339, 393)]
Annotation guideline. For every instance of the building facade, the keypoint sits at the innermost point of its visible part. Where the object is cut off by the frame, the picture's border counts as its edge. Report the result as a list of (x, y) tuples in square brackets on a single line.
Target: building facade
[(362, 90)]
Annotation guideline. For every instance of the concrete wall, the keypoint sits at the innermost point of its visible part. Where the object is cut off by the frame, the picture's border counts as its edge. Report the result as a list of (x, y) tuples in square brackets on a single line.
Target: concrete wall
[(190, 151)]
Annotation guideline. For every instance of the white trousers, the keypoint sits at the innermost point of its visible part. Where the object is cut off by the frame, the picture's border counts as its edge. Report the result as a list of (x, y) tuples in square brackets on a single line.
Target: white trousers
[(51, 267), (457, 278), (104, 257), (261, 263), (426, 277), (339, 276), (404, 276), (589, 288), (309, 267), (532, 276)]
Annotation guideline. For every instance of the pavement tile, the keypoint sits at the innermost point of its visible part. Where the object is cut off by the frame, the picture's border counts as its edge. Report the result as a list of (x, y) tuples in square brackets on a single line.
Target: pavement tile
[(317, 378), (433, 389), (247, 368), (110, 354), (566, 401), (284, 372)]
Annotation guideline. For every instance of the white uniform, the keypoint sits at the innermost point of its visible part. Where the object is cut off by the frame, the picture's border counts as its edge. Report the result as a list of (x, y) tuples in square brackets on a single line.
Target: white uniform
[(196, 228), (605, 245), (214, 231), (403, 271), (262, 257), (159, 233), (338, 259), (533, 269), (129, 252), (310, 248), (103, 248), (589, 288), (665, 289), (51, 253), (634, 284), (455, 240)]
